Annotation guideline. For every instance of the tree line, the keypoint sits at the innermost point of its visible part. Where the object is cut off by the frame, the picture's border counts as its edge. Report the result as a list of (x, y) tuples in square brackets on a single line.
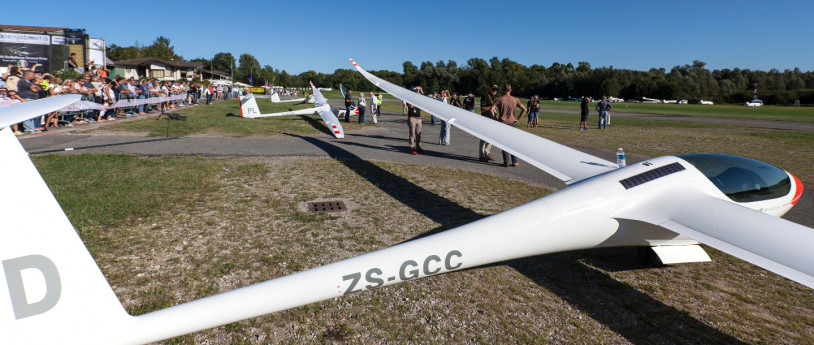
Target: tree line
[(692, 82)]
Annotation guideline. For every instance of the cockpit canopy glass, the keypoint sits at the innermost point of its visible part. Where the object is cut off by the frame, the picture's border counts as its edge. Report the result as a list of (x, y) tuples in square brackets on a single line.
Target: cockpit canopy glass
[(741, 179)]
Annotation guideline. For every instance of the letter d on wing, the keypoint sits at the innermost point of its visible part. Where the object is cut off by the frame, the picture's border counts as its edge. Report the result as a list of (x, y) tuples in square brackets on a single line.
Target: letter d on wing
[(16, 287)]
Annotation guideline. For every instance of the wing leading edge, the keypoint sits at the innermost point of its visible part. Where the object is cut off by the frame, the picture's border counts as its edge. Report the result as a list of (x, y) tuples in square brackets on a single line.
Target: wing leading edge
[(24, 111), (773, 243), (563, 162)]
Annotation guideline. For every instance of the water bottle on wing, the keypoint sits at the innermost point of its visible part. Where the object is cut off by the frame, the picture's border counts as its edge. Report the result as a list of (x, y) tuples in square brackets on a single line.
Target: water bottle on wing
[(620, 158)]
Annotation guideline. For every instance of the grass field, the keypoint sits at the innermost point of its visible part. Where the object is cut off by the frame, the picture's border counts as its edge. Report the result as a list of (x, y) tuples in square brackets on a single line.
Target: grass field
[(221, 224), (767, 112)]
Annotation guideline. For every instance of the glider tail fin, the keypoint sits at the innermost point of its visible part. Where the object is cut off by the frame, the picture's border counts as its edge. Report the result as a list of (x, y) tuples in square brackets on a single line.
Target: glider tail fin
[(51, 289), (275, 97), (248, 107)]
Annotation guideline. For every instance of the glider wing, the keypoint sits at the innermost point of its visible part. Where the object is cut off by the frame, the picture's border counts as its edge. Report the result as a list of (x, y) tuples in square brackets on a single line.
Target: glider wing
[(767, 241), (563, 162), (23, 111)]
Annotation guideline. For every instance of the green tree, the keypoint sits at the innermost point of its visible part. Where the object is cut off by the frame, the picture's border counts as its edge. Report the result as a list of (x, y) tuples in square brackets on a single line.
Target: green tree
[(161, 49), (222, 61), (248, 64)]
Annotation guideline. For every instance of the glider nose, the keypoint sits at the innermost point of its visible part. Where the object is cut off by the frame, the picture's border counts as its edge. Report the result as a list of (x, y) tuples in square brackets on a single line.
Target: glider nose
[(798, 190)]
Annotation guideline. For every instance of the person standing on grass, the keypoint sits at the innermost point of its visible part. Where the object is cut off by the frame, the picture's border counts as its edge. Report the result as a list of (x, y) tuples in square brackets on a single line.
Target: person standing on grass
[(469, 103), (583, 113), (534, 107), (379, 99), (374, 106), (360, 105), (603, 107), (506, 106), (348, 103)]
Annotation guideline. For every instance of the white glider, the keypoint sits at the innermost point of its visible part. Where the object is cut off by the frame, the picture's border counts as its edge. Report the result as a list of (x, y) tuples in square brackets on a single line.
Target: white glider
[(56, 293), (249, 109), (275, 98)]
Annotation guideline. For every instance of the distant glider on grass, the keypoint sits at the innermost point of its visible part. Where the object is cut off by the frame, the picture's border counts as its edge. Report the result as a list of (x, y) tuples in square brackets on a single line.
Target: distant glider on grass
[(249, 109)]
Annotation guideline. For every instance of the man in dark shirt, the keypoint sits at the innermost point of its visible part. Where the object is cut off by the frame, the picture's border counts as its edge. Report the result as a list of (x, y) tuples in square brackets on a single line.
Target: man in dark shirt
[(72, 62), (26, 88), (88, 85), (348, 103), (29, 91), (469, 103), (487, 105), (414, 124), (604, 108)]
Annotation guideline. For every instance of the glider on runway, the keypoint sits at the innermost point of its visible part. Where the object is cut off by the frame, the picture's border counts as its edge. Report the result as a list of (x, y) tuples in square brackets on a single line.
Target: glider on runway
[(249, 109), (54, 293)]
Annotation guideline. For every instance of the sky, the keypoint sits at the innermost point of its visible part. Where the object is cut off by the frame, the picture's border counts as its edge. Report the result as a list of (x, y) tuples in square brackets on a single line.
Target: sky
[(298, 36)]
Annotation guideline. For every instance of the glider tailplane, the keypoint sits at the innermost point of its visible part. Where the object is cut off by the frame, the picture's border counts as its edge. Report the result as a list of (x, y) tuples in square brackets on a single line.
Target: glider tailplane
[(248, 107), (51, 290)]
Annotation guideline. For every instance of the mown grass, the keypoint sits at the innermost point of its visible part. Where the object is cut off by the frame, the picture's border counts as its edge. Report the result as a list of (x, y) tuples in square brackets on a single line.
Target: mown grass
[(790, 150), (738, 111), (223, 118), (235, 222), (767, 112)]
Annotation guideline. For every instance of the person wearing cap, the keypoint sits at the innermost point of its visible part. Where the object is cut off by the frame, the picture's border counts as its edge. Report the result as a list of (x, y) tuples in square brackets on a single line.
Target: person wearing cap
[(506, 105), (414, 124), (487, 106)]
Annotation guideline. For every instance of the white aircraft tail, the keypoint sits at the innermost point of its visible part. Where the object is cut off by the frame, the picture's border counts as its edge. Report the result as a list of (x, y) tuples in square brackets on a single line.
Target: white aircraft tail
[(248, 107), (275, 97), (53, 291)]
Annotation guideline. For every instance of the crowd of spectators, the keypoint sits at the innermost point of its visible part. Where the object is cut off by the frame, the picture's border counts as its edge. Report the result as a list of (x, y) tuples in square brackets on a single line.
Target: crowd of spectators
[(20, 84)]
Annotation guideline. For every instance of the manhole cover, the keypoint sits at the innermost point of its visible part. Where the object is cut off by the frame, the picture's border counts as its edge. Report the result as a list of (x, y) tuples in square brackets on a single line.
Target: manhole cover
[(327, 206)]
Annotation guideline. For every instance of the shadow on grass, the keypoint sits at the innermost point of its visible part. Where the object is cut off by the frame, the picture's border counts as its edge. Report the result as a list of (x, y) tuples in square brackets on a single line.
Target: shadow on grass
[(427, 152), (433, 206), (634, 315)]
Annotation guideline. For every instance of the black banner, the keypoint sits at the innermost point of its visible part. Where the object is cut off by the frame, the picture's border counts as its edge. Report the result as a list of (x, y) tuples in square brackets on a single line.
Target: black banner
[(25, 55)]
